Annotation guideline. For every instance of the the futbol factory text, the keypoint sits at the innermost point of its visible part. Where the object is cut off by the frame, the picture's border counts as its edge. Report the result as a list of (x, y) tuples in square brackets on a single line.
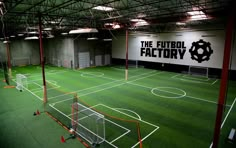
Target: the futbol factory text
[(163, 49)]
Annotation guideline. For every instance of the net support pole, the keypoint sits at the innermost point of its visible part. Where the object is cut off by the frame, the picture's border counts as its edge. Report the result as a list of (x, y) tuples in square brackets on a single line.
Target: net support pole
[(8, 58), (42, 61), (74, 112), (224, 76), (126, 64)]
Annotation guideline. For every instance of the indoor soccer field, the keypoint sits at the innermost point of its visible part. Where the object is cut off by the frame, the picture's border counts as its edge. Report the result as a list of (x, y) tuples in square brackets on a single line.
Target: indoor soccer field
[(117, 74), (165, 109)]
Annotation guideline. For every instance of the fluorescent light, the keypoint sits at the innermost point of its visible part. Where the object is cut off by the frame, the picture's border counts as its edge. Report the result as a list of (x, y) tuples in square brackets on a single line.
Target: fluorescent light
[(33, 32), (83, 30), (108, 24), (6, 42), (180, 23), (197, 15), (103, 8), (12, 36), (107, 39), (92, 38), (20, 34), (136, 20), (142, 23), (64, 33), (47, 29), (31, 38), (50, 36), (116, 26)]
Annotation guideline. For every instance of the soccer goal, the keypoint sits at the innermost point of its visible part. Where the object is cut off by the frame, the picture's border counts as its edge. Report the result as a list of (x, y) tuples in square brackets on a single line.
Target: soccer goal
[(21, 61), (198, 71), (21, 82), (88, 124)]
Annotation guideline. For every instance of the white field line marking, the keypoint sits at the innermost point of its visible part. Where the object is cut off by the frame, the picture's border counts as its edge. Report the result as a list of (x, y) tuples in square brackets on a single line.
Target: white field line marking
[(123, 68), (222, 124), (146, 137), (175, 75), (91, 131), (195, 98), (192, 81), (129, 111), (145, 77), (97, 76), (195, 78), (155, 126), (37, 75), (31, 93), (99, 86), (228, 113), (38, 84), (91, 92), (49, 81), (120, 136), (214, 82)]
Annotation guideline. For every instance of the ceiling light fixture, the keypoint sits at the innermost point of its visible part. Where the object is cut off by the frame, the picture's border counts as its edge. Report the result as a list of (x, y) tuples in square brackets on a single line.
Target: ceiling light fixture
[(180, 23), (31, 38), (197, 15), (92, 38), (5, 42), (64, 33), (139, 22), (47, 29), (20, 34), (103, 8), (107, 39), (83, 30), (116, 26)]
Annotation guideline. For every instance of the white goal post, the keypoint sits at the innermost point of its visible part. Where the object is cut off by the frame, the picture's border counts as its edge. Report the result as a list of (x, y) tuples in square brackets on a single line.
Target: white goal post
[(21, 82), (88, 124), (198, 71)]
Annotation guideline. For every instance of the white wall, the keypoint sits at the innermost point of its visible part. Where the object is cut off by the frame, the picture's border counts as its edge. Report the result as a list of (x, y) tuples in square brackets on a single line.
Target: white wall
[(20, 49), (215, 38), (60, 51)]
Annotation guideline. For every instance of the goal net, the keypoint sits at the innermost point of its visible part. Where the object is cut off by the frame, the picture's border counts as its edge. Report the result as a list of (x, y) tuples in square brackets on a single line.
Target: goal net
[(21, 82), (21, 61), (87, 123), (198, 71)]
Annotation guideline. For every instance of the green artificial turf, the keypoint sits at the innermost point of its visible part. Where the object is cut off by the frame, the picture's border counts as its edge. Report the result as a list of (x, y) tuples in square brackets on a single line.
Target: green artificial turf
[(171, 109)]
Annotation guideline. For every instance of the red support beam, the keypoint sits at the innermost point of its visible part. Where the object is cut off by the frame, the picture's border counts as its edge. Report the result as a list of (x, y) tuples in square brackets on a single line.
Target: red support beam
[(224, 76), (8, 57), (127, 57), (42, 61)]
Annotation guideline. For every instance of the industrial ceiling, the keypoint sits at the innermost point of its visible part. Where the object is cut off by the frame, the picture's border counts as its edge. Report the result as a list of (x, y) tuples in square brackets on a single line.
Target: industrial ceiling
[(20, 16)]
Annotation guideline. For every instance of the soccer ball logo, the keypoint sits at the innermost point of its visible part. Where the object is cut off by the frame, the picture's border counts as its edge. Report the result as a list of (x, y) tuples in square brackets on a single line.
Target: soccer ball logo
[(201, 51)]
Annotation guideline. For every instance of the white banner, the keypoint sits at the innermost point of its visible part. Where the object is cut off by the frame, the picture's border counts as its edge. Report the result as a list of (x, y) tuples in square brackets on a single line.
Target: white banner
[(199, 48)]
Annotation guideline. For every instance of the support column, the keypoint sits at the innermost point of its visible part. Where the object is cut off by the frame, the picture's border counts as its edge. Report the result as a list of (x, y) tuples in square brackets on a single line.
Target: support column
[(126, 65), (224, 76), (42, 62), (8, 58)]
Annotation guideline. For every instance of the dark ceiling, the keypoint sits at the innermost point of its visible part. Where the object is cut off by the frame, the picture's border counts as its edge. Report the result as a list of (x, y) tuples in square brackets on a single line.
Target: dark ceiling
[(63, 15)]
